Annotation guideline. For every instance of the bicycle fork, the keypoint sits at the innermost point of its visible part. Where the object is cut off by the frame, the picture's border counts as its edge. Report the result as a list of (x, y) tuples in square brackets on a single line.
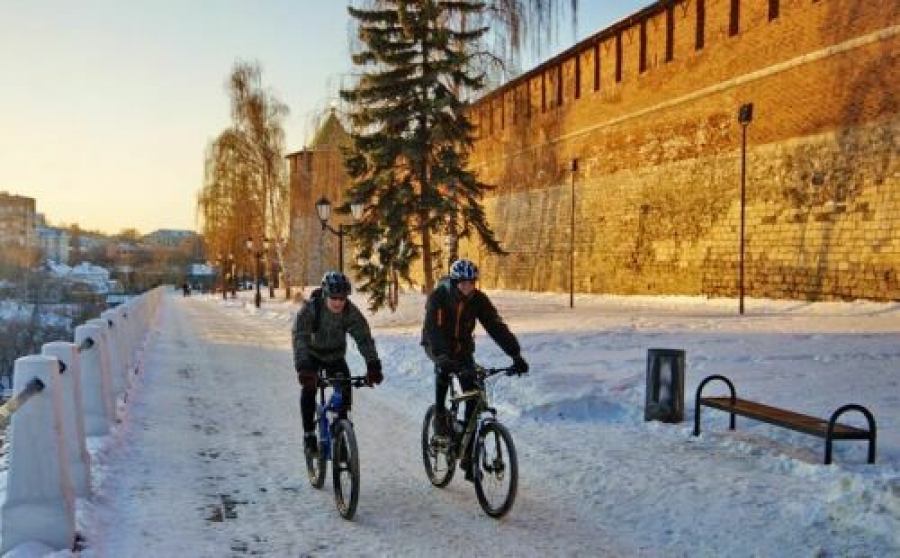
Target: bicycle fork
[(495, 464), (324, 433)]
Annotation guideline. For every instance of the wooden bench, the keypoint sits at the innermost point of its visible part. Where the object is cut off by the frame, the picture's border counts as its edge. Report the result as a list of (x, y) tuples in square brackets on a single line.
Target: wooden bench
[(830, 430)]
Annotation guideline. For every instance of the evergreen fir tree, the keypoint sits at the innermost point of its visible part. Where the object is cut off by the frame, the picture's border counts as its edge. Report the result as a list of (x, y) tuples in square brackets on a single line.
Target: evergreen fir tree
[(412, 138)]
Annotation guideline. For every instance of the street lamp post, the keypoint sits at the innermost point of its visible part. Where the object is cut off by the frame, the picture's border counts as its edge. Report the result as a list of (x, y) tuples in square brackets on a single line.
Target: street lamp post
[(450, 243), (257, 254), (271, 262), (323, 209), (745, 116), (220, 263), (572, 238), (231, 278)]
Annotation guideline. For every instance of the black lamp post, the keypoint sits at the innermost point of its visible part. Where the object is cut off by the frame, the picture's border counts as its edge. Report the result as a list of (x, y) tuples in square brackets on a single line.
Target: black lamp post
[(572, 238), (745, 116), (450, 245), (220, 264), (271, 267), (224, 273), (323, 209), (257, 254), (229, 278)]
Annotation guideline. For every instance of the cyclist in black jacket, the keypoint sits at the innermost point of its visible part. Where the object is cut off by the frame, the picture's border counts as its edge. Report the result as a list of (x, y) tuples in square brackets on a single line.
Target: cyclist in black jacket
[(450, 315)]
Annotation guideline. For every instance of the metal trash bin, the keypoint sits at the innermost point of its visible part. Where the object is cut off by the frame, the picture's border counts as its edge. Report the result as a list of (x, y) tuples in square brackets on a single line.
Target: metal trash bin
[(665, 385)]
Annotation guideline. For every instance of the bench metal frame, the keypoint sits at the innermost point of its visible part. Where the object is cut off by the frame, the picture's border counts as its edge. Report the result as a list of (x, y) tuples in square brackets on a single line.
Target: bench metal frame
[(830, 430)]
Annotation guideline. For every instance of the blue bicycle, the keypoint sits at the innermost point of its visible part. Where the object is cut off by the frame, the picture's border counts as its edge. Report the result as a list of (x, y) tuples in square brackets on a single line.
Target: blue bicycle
[(337, 443)]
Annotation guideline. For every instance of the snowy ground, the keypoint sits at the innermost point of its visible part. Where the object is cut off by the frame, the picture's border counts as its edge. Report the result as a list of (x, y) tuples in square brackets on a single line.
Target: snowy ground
[(207, 458)]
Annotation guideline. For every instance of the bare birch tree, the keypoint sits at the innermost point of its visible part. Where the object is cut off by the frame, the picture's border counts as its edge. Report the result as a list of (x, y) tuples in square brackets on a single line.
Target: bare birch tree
[(246, 183)]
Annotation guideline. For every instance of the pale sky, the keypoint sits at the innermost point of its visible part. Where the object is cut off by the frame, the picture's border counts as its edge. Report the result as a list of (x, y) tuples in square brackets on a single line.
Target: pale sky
[(106, 107)]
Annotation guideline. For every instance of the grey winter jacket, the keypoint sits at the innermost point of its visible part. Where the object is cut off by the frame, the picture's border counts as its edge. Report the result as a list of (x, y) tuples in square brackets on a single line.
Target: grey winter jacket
[(329, 342)]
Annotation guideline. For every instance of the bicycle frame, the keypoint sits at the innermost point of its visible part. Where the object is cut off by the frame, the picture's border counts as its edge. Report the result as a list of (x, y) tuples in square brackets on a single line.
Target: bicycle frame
[(478, 418), (337, 444), (484, 444), (334, 405)]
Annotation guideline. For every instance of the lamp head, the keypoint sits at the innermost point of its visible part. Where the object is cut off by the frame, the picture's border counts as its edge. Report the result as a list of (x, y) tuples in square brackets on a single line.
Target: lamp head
[(323, 209), (356, 209)]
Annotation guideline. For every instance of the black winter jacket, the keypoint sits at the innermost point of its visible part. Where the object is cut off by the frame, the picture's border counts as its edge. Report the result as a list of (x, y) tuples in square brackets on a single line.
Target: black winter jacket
[(450, 320)]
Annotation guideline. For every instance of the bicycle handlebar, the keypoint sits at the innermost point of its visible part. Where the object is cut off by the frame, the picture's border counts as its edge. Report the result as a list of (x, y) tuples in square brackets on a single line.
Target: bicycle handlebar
[(355, 381), (488, 372)]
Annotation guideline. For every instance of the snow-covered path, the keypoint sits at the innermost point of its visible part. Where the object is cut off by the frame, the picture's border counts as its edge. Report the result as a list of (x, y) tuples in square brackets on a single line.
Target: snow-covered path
[(207, 460), (218, 430)]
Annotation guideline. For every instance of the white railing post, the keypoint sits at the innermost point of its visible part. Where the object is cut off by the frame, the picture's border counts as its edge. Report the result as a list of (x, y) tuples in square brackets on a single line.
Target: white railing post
[(111, 356), (129, 318), (96, 391), (77, 455), (39, 504)]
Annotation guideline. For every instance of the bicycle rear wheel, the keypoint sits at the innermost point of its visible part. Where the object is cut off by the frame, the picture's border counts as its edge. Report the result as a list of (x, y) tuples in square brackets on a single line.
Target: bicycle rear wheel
[(496, 470), (345, 469), (438, 456)]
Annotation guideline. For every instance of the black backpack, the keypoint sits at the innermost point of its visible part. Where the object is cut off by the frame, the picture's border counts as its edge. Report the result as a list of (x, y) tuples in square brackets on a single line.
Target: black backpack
[(316, 299)]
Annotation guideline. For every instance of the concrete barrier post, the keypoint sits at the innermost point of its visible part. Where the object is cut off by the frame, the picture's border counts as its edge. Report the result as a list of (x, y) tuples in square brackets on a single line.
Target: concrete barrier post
[(136, 319), (76, 453), (130, 322), (96, 391), (119, 344), (111, 354), (39, 504)]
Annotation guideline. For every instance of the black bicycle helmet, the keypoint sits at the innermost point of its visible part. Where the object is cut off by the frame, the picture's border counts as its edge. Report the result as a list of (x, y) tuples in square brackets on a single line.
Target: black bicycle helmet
[(463, 270), (335, 283)]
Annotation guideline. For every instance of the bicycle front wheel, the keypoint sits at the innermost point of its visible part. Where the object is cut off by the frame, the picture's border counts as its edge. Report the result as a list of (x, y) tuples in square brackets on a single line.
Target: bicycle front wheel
[(437, 455), (315, 465), (495, 469), (345, 469)]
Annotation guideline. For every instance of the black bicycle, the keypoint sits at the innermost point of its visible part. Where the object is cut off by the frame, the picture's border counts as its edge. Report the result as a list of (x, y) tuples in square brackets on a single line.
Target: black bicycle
[(337, 443), (482, 444)]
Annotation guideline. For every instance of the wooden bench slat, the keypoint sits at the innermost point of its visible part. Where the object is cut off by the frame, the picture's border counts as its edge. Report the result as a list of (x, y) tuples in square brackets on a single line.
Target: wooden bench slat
[(782, 417)]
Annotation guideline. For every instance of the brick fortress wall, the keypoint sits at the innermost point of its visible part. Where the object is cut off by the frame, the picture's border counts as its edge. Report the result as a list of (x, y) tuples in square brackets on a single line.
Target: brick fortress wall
[(648, 107)]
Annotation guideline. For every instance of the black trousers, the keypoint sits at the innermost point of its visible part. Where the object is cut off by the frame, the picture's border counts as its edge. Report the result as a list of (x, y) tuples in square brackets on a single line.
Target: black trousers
[(442, 386), (334, 369)]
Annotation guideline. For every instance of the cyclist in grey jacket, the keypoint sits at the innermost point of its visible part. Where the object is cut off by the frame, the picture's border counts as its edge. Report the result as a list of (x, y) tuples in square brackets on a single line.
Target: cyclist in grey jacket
[(320, 343)]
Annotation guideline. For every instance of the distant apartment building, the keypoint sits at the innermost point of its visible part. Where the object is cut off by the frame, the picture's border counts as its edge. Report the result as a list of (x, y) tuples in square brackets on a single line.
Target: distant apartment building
[(54, 243), (17, 221), (168, 237)]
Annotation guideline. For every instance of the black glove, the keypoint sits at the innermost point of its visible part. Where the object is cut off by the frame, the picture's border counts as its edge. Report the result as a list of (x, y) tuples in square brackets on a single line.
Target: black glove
[(519, 366), (373, 372), (306, 375)]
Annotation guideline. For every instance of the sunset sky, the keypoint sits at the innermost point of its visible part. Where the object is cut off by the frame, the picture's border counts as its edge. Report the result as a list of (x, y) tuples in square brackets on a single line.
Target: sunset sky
[(106, 107)]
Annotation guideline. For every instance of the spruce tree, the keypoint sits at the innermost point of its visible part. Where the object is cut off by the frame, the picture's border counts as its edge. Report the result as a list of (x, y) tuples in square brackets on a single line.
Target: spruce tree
[(411, 138)]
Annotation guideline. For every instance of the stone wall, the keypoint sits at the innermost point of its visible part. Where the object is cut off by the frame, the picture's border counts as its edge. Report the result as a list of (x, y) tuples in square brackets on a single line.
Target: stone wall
[(654, 130), (312, 250)]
